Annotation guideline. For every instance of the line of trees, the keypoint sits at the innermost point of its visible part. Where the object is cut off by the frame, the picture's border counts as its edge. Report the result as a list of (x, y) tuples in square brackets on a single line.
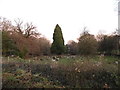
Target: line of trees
[(23, 39), (88, 44)]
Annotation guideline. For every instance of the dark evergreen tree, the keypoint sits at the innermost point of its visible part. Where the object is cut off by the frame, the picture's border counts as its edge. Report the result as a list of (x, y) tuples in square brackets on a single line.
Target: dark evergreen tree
[(8, 45), (109, 45), (58, 46)]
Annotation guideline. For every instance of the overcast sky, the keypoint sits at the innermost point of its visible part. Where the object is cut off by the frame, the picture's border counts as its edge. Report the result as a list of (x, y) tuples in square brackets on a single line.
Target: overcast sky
[(71, 15)]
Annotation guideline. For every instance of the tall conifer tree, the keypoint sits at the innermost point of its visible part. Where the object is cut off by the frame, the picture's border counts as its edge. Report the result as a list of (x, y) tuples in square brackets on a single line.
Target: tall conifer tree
[(58, 46)]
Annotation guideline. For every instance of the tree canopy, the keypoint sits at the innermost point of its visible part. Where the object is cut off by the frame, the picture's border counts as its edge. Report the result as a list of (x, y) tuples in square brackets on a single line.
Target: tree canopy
[(87, 44), (58, 46)]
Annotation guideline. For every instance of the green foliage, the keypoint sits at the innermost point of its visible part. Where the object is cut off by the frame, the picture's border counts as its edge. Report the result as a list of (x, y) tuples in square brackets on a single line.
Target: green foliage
[(58, 46), (23, 53), (109, 44), (10, 80), (87, 44), (8, 45)]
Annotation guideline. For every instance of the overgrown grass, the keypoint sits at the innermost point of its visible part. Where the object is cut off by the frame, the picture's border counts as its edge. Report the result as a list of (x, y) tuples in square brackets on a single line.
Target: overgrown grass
[(68, 71)]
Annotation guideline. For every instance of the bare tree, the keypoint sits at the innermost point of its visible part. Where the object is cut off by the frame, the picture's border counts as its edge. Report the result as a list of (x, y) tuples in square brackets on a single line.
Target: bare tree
[(5, 25), (28, 29), (44, 45), (19, 27)]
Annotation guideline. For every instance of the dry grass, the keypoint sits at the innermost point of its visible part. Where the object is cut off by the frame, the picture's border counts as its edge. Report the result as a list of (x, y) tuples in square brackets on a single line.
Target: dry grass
[(72, 71)]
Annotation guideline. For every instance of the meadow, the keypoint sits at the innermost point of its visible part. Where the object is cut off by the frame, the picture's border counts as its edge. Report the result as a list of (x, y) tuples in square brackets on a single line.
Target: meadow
[(66, 71)]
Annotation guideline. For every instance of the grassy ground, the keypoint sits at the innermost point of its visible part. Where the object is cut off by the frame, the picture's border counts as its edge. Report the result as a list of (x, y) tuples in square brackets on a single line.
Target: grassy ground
[(68, 71)]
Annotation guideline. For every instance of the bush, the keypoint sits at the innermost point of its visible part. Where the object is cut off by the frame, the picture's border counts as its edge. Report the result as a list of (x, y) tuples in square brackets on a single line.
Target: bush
[(87, 44)]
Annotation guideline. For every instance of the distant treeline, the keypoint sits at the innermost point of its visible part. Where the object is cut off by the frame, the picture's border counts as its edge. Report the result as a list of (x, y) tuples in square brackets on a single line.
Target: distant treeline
[(23, 39)]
